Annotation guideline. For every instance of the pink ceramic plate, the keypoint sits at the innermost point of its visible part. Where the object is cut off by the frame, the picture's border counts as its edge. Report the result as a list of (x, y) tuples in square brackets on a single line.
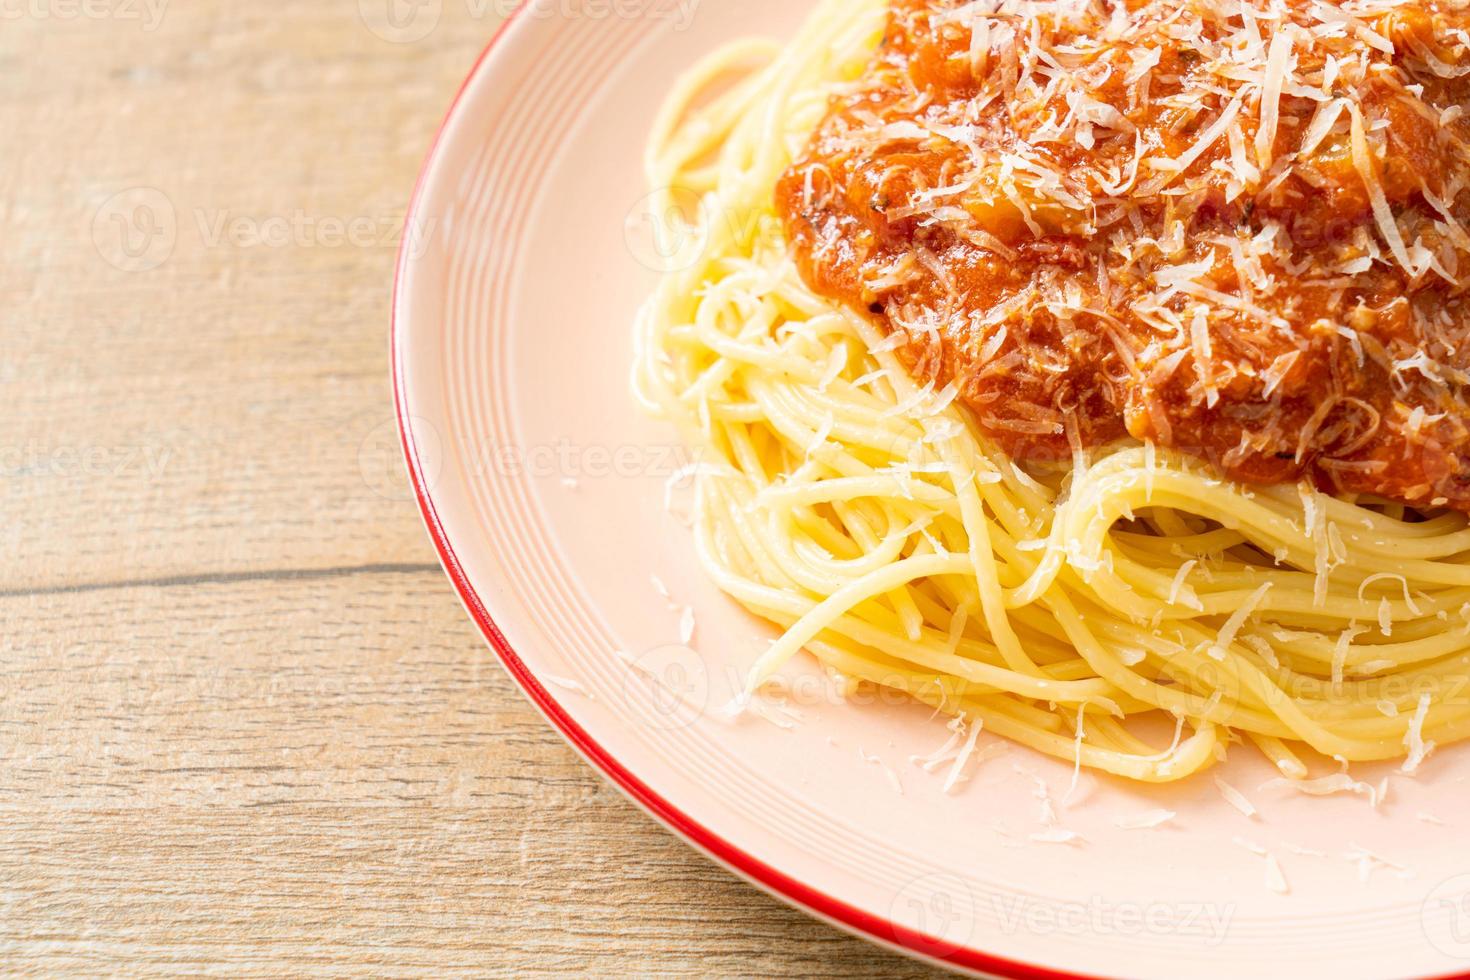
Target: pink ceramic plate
[(544, 490)]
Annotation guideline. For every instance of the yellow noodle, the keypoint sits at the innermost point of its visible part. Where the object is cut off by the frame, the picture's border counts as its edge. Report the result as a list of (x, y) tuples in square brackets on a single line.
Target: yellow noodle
[(843, 503)]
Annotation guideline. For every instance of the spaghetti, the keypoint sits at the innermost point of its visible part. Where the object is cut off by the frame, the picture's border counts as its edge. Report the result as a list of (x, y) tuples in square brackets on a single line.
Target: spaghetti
[(1086, 610)]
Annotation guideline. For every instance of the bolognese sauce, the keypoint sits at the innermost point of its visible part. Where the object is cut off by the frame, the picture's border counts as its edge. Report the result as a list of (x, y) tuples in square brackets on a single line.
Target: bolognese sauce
[(1234, 228)]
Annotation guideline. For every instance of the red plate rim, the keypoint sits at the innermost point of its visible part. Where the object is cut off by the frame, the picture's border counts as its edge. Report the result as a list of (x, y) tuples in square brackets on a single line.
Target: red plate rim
[(881, 931)]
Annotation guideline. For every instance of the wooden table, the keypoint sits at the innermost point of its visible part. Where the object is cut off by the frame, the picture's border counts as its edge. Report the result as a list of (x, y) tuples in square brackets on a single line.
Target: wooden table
[(244, 724)]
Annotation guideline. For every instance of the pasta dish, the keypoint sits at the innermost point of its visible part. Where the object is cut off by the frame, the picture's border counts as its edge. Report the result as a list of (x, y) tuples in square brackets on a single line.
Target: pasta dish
[(1094, 371)]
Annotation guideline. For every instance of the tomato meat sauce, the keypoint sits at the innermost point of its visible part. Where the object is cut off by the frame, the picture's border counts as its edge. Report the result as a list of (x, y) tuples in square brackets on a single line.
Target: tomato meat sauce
[(1236, 229)]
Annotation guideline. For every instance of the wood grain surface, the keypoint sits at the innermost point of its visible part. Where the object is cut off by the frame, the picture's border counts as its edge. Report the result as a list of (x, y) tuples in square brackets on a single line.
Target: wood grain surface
[(245, 727)]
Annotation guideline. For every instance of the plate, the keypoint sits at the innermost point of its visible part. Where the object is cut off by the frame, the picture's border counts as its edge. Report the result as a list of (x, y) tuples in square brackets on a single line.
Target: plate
[(556, 509)]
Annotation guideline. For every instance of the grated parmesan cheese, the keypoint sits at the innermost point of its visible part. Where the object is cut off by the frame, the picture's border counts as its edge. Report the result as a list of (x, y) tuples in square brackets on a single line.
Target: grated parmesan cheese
[(1418, 748), (1236, 799), (1145, 821)]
